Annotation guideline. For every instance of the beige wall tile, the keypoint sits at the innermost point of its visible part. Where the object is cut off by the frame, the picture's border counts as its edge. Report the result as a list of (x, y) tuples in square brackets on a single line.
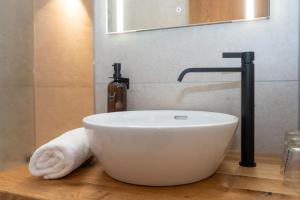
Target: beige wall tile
[(59, 109), (16, 17), (6, 164), (16, 43), (16, 122), (16, 60), (63, 57), (63, 66), (63, 43), (17, 138)]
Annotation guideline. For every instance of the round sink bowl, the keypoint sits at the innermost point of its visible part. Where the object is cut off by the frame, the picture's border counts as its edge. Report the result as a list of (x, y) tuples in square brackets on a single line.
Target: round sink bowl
[(160, 148)]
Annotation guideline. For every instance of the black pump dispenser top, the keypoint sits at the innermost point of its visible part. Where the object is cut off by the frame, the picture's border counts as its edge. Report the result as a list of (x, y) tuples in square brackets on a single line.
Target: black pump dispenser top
[(117, 69), (118, 76)]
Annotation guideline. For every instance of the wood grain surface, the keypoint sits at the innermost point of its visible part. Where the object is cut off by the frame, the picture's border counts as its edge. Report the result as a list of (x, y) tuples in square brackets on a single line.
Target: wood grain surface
[(204, 11), (230, 182)]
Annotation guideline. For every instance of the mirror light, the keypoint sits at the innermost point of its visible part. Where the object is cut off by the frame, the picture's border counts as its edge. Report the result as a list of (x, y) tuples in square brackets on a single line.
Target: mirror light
[(250, 9), (120, 15)]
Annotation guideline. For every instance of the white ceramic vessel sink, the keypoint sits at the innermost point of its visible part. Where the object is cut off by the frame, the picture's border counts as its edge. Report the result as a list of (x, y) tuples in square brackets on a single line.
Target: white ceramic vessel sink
[(160, 148)]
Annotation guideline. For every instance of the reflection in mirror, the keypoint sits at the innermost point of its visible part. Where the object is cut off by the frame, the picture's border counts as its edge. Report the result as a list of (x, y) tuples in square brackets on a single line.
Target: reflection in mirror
[(136, 15)]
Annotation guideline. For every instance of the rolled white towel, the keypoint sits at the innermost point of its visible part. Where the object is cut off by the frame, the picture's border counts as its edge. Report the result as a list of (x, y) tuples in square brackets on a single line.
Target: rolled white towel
[(61, 156)]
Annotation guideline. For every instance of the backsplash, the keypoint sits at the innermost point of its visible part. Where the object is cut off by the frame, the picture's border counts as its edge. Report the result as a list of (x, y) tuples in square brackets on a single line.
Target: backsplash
[(153, 60)]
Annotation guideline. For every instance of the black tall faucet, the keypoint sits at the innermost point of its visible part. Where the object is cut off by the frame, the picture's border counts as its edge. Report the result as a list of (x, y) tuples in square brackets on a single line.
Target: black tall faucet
[(248, 81)]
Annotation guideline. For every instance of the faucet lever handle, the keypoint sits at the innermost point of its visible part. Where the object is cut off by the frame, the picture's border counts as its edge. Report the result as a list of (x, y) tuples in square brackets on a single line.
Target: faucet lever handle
[(247, 57), (232, 55)]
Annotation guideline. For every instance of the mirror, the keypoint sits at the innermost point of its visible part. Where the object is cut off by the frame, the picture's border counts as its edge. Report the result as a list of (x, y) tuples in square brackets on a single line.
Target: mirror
[(138, 15)]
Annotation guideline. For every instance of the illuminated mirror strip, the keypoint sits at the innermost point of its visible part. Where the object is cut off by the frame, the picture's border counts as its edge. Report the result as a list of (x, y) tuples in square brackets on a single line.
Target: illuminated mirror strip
[(120, 15), (250, 9)]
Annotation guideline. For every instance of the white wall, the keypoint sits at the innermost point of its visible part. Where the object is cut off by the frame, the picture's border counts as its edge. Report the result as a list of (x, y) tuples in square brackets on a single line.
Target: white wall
[(154, 59)]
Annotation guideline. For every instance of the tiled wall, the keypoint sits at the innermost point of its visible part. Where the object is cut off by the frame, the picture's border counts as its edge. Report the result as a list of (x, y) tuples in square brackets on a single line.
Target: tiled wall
[(154, 59), (46, 76), (16, 81), (63, 66)]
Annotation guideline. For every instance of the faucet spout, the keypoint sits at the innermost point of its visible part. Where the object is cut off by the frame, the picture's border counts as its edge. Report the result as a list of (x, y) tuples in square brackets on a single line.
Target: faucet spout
[(216, 69)]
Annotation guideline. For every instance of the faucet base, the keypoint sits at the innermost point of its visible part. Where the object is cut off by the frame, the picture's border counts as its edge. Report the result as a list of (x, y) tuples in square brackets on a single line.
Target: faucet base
[(245, 164)]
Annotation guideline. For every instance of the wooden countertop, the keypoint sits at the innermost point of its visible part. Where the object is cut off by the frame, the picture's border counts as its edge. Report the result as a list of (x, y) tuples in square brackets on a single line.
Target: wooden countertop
[(230, 182)]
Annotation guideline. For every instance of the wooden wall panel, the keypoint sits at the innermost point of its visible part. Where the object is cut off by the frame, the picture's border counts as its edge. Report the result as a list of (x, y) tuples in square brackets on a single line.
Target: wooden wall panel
[(262, 8), (203, 11), (63, 66)]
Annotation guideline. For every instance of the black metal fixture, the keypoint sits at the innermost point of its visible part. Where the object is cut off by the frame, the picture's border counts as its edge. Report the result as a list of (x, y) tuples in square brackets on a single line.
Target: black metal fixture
[(248, 81)]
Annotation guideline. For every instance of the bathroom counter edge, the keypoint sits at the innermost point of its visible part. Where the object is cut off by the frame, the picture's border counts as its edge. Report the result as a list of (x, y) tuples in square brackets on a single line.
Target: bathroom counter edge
[(230, 182)]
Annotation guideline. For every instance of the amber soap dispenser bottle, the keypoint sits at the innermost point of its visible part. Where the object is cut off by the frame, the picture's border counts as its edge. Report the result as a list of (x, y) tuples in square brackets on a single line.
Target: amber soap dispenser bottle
[(117, 91)]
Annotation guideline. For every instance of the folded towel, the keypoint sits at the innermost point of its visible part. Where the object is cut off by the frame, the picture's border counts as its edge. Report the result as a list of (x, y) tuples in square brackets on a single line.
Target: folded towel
[(61, 156)]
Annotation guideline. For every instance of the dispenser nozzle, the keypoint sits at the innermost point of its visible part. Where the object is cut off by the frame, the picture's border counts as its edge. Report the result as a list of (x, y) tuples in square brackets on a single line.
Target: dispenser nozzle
[(117, 69)]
